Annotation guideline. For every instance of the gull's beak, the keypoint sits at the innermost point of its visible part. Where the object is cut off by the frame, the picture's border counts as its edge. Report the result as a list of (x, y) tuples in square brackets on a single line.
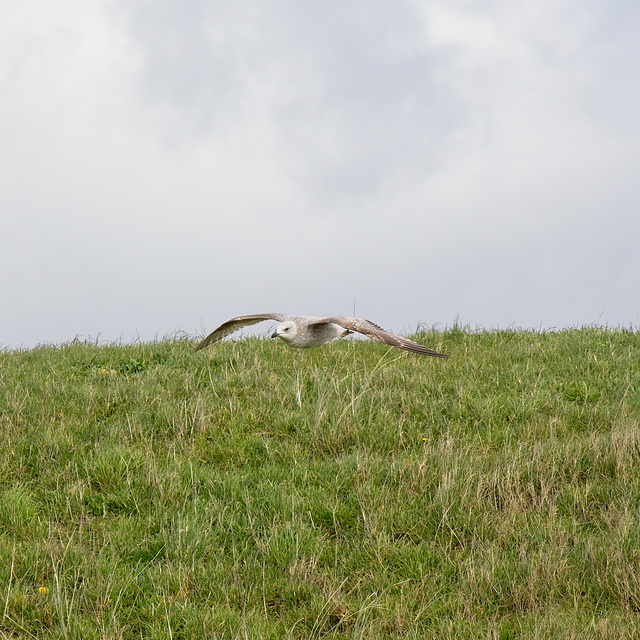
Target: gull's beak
[(274, 334)]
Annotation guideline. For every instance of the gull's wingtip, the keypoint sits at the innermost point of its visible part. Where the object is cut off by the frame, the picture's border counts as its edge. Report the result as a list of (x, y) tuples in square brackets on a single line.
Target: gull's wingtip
[(202, 344)]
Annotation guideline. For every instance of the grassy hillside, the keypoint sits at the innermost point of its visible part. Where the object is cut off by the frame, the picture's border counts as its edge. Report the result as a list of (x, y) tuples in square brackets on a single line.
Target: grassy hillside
[(255, 491)]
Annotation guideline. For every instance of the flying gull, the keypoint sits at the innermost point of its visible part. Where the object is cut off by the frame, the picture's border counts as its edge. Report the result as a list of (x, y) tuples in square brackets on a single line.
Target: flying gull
[(309, 331)]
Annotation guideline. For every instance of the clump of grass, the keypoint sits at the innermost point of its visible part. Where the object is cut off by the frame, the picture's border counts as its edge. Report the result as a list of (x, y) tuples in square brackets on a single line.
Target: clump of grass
[(348, 492)]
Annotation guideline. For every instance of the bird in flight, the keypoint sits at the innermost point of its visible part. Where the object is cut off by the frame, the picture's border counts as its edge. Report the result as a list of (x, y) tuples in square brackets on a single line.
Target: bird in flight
[(309, 331)]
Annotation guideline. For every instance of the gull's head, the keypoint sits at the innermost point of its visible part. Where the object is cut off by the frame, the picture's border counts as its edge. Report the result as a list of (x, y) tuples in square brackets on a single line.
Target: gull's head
[(285, 330)]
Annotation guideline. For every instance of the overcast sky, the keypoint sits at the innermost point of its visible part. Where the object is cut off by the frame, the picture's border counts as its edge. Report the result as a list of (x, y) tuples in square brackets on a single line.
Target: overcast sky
[(165, 166)]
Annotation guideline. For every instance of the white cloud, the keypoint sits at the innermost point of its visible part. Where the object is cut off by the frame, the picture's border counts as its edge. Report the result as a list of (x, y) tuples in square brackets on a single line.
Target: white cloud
[(165, 165)]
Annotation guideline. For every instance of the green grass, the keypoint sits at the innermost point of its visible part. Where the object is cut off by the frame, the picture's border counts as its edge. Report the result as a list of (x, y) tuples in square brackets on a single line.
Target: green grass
[(255, 491)]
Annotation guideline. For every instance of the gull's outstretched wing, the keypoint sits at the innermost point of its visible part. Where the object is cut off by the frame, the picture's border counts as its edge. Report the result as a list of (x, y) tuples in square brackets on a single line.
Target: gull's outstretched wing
[(372, 330), (228, 327)]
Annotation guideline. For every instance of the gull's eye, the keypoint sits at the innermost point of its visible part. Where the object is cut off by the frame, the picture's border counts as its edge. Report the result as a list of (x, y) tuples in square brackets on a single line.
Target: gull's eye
[(286, 328)]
